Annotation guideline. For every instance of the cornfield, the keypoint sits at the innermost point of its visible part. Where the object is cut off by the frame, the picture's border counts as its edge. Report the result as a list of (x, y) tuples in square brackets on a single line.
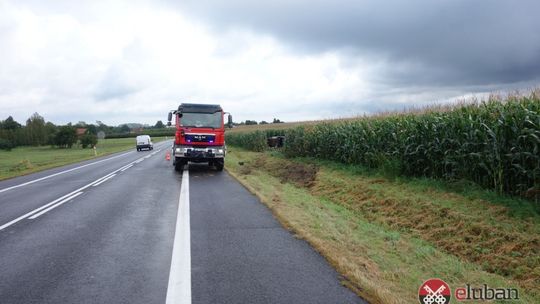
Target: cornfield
[(493, 143), (252, 140)]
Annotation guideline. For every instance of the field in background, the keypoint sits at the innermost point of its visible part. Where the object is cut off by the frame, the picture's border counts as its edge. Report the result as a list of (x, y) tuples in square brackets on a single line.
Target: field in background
[(26, 160), (387, 235), (271, 126), (410, 110), (493, 143)]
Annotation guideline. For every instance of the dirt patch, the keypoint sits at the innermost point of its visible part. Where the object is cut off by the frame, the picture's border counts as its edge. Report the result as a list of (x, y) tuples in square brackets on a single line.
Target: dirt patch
[(245, 170), (301, 175)]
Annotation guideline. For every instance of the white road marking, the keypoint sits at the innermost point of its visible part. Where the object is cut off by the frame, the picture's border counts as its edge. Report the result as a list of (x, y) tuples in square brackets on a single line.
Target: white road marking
[(42, 207), (65, 171), (104, 180), (103, 177), (179, 288), (97, 181), (55, 205), (62, 172), (127, 167)]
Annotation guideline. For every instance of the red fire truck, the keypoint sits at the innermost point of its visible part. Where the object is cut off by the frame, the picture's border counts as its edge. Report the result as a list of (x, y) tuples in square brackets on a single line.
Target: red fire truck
[(200, 135)]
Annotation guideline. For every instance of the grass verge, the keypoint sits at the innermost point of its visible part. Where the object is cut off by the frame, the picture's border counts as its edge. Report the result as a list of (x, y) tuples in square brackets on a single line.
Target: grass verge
[(26, 160), (386, 236)]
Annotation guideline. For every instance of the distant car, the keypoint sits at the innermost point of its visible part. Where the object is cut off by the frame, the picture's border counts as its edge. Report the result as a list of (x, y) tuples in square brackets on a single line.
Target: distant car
[(144, 142)]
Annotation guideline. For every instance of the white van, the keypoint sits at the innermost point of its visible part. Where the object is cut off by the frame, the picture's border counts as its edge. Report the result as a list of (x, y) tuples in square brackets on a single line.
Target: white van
[(144, 142)]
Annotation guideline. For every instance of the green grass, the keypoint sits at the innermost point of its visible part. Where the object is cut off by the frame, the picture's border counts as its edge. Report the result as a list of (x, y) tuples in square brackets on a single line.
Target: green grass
[(26, 160), (517, 207), (388, 235)]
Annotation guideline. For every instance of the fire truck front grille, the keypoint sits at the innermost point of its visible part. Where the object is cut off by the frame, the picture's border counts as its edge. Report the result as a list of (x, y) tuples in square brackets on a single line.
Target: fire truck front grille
[(207, 138)]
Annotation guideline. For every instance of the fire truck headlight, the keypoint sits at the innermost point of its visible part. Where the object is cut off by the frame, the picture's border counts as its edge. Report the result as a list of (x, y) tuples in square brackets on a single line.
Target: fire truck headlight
[(178, 150), (220, 151)]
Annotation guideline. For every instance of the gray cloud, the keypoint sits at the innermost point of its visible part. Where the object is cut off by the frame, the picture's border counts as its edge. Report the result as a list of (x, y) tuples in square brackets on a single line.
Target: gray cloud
[(121, 60), (438, 43)]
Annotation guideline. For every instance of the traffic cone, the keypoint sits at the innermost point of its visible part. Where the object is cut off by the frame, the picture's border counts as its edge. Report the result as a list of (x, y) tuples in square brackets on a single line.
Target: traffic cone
[(168, 155)]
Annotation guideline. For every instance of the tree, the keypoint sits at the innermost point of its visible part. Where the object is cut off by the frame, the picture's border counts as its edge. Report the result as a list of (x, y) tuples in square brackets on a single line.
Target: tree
[(10, 124), (124, 128), (101, 127), (51, 132), (36, 133), (65, 137), (159, 125), (264, 122), (88, 140), (11, 133), (277, 121), (91, 129), (5, 144), (250, 122)]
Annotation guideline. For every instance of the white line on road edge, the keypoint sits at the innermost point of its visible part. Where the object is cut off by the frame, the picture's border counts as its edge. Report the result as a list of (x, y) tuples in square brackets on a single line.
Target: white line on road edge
[(62, 172), (55, 205), (56, 174), (104, 180), (179, 289), (59, 199)]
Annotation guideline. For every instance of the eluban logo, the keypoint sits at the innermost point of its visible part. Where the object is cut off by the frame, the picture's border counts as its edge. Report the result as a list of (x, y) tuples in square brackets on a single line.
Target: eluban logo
[(485, 293), (434, 291)]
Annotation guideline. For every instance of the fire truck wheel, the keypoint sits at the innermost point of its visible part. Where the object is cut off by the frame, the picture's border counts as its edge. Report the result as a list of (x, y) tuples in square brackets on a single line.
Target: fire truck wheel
[(219, 165), (179, 165)]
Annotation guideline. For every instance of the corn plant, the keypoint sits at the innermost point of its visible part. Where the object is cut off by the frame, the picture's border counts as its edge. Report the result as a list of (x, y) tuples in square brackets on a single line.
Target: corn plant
[(494, 143)]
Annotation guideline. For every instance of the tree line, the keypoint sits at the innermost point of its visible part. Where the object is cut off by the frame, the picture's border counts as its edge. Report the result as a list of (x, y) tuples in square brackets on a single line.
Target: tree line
[(254, 122), (38, 132)]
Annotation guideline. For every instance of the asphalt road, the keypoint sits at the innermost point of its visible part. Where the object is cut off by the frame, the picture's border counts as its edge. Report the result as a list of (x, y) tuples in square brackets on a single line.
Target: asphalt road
[(127, 228)]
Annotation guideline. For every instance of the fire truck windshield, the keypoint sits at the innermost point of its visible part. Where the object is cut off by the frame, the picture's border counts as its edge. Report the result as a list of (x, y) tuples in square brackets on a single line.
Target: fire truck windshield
[(201, 120)]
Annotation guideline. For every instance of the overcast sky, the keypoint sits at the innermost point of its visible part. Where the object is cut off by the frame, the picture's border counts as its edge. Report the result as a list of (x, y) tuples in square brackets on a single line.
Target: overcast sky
[(133, 61)]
